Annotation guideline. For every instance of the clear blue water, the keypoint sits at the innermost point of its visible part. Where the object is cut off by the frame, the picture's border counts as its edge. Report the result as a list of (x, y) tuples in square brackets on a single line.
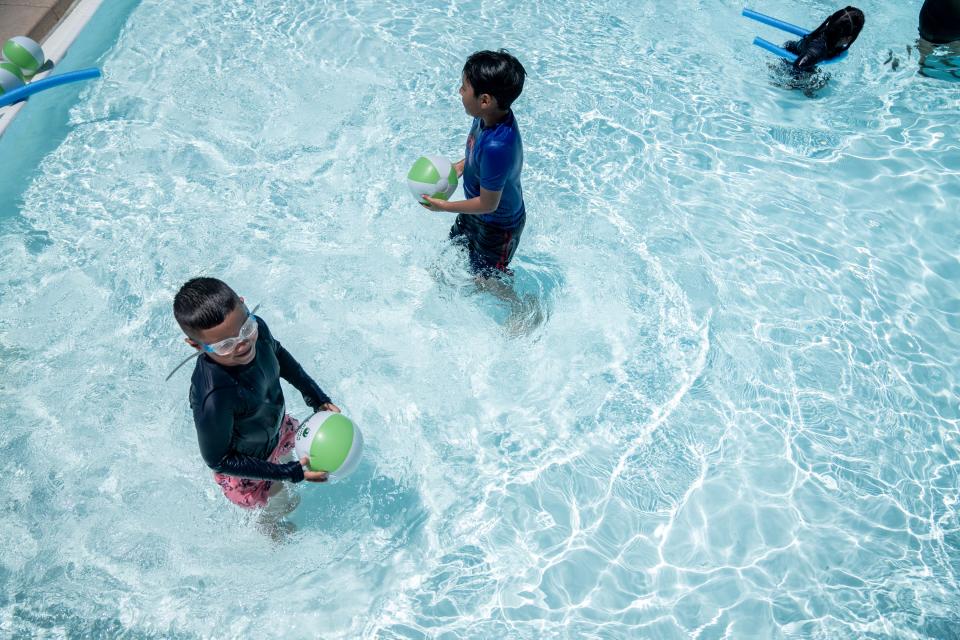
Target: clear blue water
[(739, 418)]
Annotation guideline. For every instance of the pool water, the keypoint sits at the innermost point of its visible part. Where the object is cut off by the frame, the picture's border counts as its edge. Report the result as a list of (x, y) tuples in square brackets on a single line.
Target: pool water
[(728, 406)]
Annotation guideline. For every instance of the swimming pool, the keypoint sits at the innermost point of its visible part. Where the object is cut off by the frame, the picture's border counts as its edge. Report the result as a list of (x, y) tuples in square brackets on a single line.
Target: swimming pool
[(739, 418)]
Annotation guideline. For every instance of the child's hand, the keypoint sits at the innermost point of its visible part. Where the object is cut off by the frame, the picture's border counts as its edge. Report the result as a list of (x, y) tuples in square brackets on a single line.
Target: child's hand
[(459, 167), (434, 204), (329, 406), (312, 476)]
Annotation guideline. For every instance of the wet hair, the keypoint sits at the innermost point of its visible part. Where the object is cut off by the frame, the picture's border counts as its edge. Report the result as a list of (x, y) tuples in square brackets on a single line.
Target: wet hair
[(496, 73), (842, 28), (829, 40), (203, 303)]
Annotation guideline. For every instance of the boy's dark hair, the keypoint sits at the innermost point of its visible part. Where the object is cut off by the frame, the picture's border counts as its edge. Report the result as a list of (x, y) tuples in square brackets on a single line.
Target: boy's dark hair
[(496, 73), (203, 303)]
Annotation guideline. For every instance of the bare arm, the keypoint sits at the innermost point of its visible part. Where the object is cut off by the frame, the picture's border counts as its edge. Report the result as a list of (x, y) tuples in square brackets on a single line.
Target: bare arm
[(486, 202)]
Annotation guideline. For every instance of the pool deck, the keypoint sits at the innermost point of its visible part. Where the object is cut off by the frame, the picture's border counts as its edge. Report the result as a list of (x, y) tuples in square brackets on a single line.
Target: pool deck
[(33, 18), (53, 23)]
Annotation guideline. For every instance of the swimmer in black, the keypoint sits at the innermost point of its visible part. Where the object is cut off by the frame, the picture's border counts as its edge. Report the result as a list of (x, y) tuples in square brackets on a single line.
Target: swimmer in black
[(235, 394), (939, 43), (940, 21), (827, 41)]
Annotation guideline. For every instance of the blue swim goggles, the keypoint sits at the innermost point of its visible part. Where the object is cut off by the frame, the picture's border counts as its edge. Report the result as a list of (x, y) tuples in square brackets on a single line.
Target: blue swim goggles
[(226, 346)]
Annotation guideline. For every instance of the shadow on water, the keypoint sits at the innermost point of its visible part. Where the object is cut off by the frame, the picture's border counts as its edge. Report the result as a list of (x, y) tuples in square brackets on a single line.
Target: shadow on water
[(939, 62), (537, 282), (520, 303), (539, 275), (935, 61), (812, 84), (364, 501)]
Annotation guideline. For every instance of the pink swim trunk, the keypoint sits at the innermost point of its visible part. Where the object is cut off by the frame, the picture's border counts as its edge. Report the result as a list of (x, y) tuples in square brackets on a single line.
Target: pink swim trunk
[(249, 493)]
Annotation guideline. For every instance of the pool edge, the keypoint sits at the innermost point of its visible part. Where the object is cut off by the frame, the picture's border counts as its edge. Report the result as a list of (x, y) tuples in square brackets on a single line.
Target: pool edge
[(55, 46)]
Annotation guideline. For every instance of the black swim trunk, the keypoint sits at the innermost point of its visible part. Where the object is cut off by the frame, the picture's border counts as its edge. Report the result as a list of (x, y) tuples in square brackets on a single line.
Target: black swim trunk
[(491, 248)]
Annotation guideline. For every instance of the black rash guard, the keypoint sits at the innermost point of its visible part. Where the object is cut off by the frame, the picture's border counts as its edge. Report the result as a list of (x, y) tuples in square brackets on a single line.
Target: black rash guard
[(238, 410), (827, 41), (940, 21)]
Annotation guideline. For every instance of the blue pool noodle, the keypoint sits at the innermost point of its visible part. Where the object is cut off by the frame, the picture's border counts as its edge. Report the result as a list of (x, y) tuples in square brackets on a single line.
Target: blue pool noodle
[(774, 49), (777, 24), (783, 26), (786, 55), (47, 83)]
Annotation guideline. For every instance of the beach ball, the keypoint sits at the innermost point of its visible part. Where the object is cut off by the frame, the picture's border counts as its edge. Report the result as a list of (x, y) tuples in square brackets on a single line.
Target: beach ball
[(10, 77), (333, 443), (434, 176), (25, 53)]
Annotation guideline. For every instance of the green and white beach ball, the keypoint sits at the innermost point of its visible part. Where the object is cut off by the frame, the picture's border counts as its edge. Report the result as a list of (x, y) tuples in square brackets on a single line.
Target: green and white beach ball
[(434, 176), (10, 77), (333, 443), (25, 53)]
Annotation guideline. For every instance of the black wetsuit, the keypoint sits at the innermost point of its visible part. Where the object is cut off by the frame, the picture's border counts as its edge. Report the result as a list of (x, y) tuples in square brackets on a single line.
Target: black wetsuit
[(238, 410), (827, 41), (940, 21)]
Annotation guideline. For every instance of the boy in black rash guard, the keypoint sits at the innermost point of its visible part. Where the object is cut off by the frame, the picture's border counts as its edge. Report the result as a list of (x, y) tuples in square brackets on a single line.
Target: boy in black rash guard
[(235, 394)]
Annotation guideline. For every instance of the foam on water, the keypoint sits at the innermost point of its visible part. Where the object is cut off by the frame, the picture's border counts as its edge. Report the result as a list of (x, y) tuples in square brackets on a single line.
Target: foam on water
[(739, 417)]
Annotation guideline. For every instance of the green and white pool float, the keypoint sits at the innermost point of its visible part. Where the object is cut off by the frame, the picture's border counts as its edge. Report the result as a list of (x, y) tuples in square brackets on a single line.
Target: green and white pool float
[(432, 175), (332, 442), (10, 77), (25, 53)]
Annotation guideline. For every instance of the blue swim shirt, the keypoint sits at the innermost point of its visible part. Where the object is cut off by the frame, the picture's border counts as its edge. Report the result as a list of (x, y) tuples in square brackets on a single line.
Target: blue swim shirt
[(494, 159)]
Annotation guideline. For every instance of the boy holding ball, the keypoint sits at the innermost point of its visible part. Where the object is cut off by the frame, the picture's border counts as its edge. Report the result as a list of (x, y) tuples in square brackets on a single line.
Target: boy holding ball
[(238, 406), (491, 219)]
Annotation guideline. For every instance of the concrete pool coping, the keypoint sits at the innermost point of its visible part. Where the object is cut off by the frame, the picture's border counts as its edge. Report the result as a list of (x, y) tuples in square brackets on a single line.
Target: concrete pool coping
[(53, 23)]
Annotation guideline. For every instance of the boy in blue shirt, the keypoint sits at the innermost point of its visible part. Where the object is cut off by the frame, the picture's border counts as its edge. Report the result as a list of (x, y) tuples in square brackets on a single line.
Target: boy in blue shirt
[(491, 219)]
